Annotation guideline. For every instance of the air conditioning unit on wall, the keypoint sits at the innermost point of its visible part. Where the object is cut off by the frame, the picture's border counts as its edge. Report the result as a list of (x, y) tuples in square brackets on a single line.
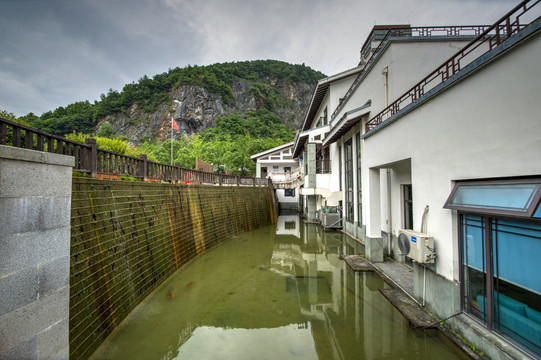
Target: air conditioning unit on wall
[(417, 246)]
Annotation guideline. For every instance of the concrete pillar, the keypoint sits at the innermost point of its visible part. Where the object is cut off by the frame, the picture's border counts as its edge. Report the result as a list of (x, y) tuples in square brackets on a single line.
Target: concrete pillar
[(311, 163), (374, 241), (311, 207), (35, 203)]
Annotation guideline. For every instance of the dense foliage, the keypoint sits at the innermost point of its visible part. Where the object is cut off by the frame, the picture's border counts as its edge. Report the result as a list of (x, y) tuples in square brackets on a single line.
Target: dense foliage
[(229, 145), (149, 93), (119, 146)]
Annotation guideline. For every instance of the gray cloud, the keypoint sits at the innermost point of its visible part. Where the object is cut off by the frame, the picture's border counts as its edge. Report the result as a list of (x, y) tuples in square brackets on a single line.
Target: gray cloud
[(57, 52)]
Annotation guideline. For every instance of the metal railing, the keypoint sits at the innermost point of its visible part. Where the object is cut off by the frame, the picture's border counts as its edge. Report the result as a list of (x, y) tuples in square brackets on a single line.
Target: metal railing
[(100, 163), (423, 31), (493, 36)]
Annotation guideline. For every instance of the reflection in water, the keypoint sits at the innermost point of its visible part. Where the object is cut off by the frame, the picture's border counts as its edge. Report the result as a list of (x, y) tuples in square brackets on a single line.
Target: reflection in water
[(279, 292)]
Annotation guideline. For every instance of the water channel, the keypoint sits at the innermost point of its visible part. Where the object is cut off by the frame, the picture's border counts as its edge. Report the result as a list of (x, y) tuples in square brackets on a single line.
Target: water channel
[(279, 292)]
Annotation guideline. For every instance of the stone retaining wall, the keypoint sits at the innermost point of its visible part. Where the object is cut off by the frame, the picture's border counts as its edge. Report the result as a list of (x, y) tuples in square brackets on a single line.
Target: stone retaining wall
[(128, 237)]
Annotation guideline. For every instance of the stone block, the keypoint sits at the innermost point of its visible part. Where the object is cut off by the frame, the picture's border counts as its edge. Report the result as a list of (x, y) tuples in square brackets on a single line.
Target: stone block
[(53, 340), (19, 215), (25, 322), (20, 251), (27, 350), (18, 289), (27, 155), (53, 276), (63, 354), (55, 212), (27, 179)]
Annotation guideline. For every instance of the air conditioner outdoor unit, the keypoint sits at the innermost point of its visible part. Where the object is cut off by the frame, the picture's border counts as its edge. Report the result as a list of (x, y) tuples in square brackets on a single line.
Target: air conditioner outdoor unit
[(417, 246)]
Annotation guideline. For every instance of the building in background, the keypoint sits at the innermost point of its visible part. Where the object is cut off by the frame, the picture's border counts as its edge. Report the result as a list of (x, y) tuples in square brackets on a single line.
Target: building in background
[(279, 165)]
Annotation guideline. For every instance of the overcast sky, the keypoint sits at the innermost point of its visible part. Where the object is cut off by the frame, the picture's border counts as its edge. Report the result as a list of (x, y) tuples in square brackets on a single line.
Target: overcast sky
[(56, 52)]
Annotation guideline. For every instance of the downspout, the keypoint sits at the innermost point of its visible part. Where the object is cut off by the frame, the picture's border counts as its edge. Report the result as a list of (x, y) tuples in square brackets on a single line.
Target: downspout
[(389, 213), (385, 73)]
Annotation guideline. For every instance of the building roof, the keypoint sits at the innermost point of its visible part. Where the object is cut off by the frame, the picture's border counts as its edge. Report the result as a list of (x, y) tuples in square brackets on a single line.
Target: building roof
[(270, 151), (319, 94)]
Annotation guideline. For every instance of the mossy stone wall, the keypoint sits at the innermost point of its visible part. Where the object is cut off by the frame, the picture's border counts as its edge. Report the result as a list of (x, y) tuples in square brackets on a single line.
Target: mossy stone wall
[(128, 237)]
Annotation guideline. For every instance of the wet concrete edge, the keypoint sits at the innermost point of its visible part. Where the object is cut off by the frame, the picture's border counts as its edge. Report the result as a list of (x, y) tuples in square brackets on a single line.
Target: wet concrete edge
[(438, 323)]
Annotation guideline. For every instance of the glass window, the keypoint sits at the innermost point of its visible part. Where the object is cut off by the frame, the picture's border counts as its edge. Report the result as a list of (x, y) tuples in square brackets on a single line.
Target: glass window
[(407, 192), (349, 179), (512, 198), (289, 192), (359, 180), (510, 302), (474, 271), (340, 167)]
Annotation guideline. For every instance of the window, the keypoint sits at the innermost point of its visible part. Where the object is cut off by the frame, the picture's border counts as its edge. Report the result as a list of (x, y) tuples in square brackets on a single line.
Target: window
[(325, 117), (503, 289), (275, 169), (407, 207), (289, 192), (287, 169), (359, 180), (518, 198), (348, 148), (500, 242), (340, 167)]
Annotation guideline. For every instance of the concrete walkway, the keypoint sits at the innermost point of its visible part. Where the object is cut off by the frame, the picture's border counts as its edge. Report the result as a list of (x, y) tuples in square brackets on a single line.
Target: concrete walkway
[(399, 274)]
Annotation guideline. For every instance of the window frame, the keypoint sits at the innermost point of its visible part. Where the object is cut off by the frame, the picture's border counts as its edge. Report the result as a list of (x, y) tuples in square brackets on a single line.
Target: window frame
[(532, 207), (349, 185)]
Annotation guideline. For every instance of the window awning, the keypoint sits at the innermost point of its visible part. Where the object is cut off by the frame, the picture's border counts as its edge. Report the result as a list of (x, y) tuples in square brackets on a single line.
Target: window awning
[(347, 122), (504, 197)]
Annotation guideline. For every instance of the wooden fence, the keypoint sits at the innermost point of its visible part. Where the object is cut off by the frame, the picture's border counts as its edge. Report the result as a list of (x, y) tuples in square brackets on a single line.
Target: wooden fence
[(100, 163)]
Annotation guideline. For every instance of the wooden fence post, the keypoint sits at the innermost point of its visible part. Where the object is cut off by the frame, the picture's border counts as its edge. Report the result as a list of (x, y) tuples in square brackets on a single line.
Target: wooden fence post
[(176, 176), (93, 156), (143, 167)]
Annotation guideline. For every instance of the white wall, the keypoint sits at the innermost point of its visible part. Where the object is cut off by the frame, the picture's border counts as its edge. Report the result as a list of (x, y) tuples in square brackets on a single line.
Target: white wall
[(408, 62), (280, 193), (486, 126)]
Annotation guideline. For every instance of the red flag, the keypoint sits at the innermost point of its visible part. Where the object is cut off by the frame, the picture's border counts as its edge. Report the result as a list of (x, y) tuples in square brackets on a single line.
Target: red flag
[(174, 124)]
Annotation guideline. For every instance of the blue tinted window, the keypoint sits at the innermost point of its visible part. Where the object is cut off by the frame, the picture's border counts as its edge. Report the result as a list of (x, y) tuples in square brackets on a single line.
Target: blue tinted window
[(501, 196)]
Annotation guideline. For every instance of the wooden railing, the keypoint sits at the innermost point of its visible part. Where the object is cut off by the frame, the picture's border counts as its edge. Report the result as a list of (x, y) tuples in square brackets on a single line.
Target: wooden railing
[(493, 36), (100, 163)]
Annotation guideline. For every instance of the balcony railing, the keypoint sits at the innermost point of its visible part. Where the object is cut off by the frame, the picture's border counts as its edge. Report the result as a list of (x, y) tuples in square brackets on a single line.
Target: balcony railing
[(493, 36), (100, 163), (450, 31)]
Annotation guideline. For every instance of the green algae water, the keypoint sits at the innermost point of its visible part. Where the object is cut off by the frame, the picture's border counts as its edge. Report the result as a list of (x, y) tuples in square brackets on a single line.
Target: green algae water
[(279, 292)]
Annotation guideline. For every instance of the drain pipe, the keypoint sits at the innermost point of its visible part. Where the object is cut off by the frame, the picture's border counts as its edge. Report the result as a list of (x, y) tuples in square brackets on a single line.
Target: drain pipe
[(423, 230), (389, 213)]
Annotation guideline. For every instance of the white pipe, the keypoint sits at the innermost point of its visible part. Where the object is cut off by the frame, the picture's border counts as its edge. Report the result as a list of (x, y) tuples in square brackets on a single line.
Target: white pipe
[(424, 285), (389, 212)]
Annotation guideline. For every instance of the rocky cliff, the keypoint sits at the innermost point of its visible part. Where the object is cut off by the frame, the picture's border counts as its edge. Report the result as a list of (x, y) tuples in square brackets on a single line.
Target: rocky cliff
[(195, 108)]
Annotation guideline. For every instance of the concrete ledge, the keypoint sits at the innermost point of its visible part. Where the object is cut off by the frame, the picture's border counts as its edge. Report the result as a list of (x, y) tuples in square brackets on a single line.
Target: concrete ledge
[(416, 315), (357, 263), (491, 344), (20, 154)]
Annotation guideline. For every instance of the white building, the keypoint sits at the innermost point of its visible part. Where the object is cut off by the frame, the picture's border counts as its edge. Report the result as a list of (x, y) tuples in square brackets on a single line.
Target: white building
[(452, 151), (278, 165)]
